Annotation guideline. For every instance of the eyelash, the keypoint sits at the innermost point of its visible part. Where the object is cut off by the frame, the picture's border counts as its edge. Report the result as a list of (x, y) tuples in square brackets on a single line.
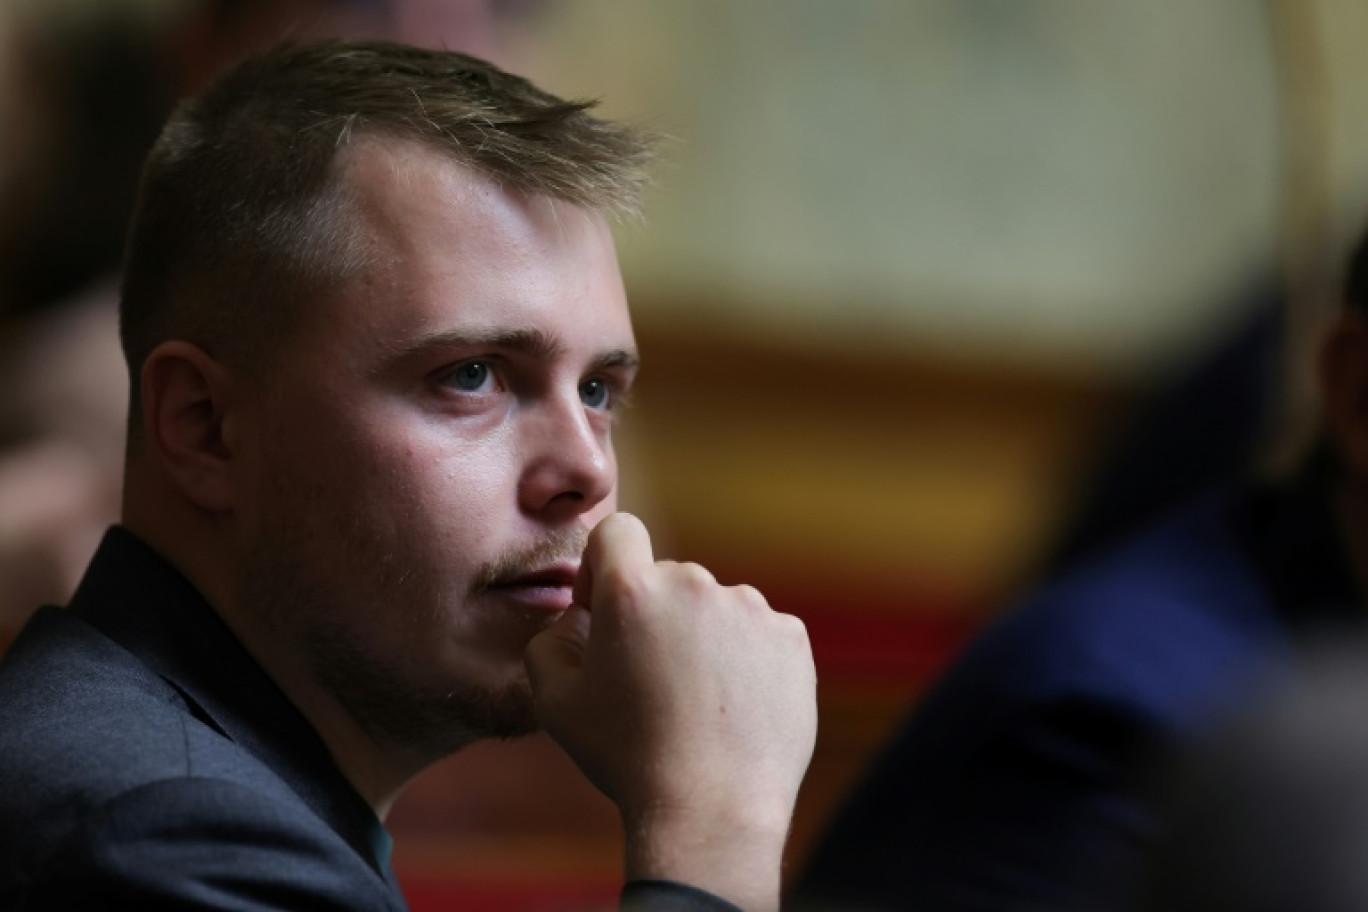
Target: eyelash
[(617, 396), (453, 373)]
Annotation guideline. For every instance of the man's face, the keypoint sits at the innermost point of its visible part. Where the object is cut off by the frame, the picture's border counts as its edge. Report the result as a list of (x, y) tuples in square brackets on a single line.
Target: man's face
[(435, 439)]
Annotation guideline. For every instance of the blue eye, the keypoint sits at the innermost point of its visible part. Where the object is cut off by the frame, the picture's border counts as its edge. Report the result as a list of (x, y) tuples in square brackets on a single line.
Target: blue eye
[(470, 377), (595, 394)]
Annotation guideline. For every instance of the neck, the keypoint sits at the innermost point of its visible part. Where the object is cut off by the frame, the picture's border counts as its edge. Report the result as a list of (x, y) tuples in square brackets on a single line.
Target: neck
[(375, 768)]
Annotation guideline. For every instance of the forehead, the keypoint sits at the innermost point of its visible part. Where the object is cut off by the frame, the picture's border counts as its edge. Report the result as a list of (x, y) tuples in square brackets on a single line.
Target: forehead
[(447, 245)]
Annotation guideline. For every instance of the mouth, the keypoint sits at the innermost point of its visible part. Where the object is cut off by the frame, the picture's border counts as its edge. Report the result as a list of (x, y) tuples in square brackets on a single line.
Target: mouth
[(549, 588)]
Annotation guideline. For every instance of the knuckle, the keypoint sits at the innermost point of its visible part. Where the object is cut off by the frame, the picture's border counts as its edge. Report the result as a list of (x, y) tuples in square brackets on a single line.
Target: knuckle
[(694, 577), (793, 626), (751, 597)]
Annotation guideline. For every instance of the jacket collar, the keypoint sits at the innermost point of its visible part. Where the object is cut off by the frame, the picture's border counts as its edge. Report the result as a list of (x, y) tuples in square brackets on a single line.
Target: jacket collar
[(136, 598)]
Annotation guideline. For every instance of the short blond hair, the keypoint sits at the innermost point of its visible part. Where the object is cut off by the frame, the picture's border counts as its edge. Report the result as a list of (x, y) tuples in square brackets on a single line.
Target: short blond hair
[(239, 216)]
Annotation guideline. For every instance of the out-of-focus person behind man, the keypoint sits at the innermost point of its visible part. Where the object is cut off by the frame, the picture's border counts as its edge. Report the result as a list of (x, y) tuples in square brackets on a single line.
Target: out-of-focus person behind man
[(1026, 777), (377, 338)]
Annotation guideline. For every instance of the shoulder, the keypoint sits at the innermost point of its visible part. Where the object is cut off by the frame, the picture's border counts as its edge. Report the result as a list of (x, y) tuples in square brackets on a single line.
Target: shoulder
[(1159, 630), (74, 704), (192, 842), (127, 792)]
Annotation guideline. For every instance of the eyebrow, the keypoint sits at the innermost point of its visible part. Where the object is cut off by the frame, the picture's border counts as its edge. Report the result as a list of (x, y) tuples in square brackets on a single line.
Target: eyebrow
[(619, 359), (531, 342)]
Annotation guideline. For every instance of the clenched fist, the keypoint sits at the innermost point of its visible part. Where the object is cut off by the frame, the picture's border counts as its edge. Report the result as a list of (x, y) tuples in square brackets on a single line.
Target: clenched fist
[(692, 705)]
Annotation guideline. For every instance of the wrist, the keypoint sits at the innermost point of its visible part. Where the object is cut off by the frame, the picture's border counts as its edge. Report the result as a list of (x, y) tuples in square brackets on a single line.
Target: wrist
[(738, 858)]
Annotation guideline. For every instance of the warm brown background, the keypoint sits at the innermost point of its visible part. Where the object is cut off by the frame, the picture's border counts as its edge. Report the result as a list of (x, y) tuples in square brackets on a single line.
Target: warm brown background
[(908, 268)]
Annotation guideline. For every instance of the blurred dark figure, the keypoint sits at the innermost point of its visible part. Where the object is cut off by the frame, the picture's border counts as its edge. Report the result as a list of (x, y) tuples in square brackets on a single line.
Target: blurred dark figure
[(94, 97), (1024, 780), (84, 100), (1203, 425), (1271, 814)]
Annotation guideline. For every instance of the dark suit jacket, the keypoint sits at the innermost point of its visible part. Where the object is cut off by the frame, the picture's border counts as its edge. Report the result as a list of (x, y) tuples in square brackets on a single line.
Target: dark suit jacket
[(147, 762), (1021, 782)]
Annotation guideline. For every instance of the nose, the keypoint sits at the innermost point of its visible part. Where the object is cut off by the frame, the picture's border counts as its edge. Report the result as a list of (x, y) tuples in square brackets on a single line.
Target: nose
[(571, 467)]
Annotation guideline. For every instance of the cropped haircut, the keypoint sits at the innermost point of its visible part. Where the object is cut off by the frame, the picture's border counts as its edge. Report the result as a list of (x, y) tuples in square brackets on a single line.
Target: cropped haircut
[(240, 214)]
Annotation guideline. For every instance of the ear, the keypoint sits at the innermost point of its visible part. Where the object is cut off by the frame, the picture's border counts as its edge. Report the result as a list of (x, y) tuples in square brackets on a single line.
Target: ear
[(185, 399), (1344, 388)]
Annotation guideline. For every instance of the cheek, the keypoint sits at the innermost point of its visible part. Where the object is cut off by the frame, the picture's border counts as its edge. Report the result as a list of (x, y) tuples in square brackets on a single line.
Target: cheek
[(404, 476), (455, 483)]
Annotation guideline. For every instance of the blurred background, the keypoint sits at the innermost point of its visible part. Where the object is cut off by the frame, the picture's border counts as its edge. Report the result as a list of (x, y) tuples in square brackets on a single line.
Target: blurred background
[(934, 295)]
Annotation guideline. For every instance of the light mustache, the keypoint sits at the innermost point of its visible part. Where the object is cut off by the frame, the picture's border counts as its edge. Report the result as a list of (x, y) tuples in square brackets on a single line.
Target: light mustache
[(559, 546)]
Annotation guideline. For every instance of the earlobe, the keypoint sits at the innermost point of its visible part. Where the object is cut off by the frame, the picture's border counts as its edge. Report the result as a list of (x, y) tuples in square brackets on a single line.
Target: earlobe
[(1344, 388), (184, 400)]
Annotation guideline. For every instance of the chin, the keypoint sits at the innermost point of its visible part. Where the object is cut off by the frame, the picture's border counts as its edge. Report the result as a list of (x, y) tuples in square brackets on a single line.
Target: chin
[(479, 714)]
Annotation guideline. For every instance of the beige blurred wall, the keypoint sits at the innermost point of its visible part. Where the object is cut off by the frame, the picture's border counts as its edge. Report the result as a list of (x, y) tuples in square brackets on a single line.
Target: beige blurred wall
[(1046, 180), (907, 259), (1341, 28)]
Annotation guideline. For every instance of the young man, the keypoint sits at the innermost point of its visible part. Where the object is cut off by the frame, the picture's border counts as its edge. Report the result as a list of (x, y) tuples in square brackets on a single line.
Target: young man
[(377, 335)]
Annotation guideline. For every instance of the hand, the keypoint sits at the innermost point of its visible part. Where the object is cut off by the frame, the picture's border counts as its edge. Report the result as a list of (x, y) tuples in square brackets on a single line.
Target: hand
[(690, 704)]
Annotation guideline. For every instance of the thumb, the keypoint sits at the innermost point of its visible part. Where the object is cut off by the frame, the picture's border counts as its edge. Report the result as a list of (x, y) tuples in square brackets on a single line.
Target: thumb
[(554, 656)]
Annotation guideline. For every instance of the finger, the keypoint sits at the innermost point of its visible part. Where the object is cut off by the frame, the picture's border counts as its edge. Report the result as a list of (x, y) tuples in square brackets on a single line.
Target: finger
[(618, 548), (582, 592), (557, 652)]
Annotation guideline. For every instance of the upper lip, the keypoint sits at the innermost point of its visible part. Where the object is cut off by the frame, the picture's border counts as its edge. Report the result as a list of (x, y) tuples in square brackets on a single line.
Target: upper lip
[(550, 575)]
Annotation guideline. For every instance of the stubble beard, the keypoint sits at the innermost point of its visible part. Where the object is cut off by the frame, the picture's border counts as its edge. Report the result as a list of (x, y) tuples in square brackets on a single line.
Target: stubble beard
[(383, 693)]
